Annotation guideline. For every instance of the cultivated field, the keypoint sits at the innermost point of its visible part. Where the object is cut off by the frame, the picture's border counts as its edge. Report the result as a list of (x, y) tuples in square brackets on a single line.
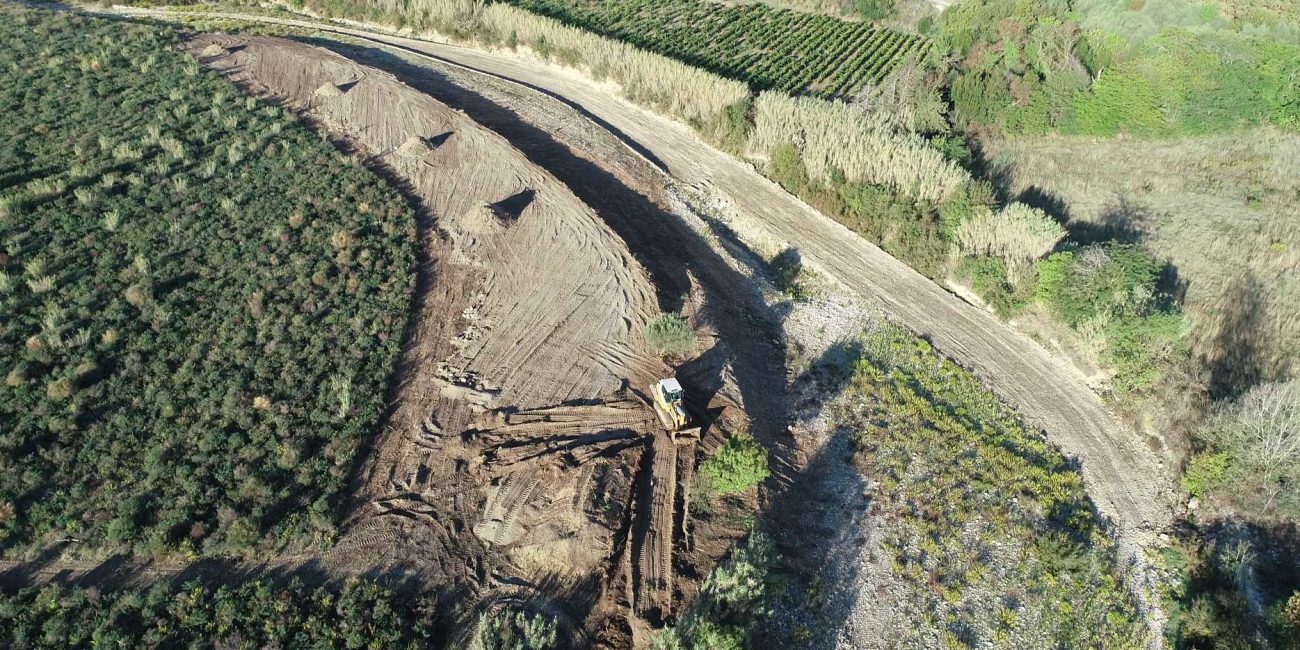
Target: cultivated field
[(176, 260), (774, 49)]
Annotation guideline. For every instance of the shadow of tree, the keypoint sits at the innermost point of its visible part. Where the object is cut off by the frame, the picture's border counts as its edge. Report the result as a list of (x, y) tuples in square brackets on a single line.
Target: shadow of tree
[(1240, 356)]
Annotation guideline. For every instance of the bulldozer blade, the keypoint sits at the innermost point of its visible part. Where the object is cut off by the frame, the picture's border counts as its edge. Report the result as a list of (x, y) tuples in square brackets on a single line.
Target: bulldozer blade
[(687, 435)]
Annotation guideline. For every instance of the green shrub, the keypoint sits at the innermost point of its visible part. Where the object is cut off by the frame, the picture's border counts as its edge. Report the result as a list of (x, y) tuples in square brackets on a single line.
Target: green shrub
[(670, 335), (1110, 290), (787, 168), (788, 274), (738, 465), (734, 125), (1105, 280), (1205, 472), (988, 279), (1053, 273), (511, 629), (1291, 616), (731, 601), (1120, 100), (871, 10)]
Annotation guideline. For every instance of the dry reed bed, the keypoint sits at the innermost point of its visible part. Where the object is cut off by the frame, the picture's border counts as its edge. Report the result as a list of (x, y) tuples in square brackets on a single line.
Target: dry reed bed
[(828, 134)]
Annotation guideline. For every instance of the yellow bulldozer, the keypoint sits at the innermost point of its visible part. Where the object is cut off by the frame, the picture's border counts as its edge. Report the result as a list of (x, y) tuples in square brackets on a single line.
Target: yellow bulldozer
[(667, 395)]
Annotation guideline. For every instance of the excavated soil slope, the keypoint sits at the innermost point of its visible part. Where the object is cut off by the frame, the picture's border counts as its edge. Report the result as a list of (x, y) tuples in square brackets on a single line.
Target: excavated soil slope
[(527, 326), (1125, 479)]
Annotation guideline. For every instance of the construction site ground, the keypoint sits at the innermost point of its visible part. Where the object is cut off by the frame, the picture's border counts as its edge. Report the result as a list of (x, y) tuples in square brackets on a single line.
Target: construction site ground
[(518, 460), (519, 455)]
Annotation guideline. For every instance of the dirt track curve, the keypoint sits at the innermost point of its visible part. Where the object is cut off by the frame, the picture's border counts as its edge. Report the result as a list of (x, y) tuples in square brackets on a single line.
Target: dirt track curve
[(1124, 477)]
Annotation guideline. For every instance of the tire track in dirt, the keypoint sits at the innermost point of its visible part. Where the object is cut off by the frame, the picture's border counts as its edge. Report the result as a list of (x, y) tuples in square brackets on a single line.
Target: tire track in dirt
[(487, 533), (527, 299)]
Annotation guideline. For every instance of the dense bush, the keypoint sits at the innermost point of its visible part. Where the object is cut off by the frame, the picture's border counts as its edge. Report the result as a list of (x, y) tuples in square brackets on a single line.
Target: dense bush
[(1107, 66), (1109, 293), (976, 511), (1253, 462), (252, 615), (731, 601), (202, 300), (670, 335), (739, 464)]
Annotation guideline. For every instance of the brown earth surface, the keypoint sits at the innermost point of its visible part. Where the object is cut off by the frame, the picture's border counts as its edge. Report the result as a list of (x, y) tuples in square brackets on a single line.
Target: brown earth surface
[(516, 456), (1125, 478)]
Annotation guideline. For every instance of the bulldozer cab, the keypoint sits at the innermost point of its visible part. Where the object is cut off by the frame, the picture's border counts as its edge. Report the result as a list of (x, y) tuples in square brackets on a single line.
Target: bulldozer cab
[(671, 389), (667, 398)]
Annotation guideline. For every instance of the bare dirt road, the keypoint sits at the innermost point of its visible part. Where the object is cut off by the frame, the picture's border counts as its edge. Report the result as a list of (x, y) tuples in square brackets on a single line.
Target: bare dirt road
[(1125, 478)]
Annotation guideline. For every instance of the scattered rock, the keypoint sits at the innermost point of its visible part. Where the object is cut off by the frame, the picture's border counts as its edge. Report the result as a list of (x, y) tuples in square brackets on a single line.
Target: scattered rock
[(214, 50)]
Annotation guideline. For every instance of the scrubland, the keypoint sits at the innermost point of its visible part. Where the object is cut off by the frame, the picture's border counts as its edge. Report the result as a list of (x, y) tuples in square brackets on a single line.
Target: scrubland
[(203, 300)]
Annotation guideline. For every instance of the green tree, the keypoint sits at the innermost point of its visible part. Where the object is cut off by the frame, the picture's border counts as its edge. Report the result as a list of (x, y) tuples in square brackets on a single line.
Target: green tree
[(739, 464)]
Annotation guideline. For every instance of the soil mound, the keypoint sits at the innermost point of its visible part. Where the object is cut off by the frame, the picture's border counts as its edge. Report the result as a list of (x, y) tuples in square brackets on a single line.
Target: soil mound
[(481, 220), (328, 90), (414, 147)]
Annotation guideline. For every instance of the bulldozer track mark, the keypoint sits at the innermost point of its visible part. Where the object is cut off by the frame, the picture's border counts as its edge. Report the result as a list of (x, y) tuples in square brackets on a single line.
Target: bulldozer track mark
[(654, 546), (512, 511)]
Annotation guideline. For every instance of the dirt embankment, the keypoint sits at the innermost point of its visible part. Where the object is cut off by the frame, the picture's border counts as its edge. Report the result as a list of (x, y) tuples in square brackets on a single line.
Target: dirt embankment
[(1126, 480), (516, 453)]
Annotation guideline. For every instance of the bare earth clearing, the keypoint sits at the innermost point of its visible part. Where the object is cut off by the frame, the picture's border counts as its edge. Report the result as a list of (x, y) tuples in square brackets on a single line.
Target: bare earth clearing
[(517, 461), (529, 311), (1125, 478)]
